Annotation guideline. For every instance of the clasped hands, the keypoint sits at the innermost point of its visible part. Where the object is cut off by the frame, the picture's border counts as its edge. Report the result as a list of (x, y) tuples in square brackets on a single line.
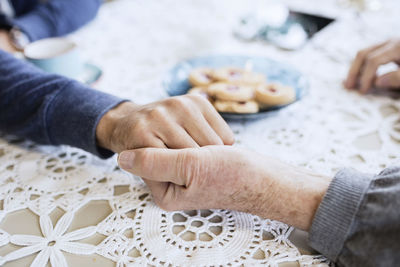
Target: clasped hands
[(181, 147)]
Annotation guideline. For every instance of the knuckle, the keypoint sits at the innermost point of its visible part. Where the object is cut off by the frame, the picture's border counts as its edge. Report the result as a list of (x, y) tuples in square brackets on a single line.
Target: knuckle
[(360, 54), (140, 127), (157, 113), (147, 140), (182, 104), (197, 98), (176, 101)]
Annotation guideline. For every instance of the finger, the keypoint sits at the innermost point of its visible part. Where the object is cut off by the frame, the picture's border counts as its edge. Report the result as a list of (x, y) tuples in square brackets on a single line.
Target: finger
[(216, 122), (201, 132), (158, 189), (174, 136), (166, 195), (389, 80), (157, 164), (355, 68), (151, 141), (378, 57)]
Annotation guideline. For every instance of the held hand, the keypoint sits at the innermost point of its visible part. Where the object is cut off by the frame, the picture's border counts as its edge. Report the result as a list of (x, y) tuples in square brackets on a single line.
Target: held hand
[(229, 178), (5, 42), (177, 122), (362, 73)]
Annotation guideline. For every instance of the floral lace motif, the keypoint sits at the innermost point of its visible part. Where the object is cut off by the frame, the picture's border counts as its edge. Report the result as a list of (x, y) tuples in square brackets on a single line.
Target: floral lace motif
[(323, 132)]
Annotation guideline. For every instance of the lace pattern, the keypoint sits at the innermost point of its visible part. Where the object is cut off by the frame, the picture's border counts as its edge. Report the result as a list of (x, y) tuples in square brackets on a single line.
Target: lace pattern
[(323, 132)]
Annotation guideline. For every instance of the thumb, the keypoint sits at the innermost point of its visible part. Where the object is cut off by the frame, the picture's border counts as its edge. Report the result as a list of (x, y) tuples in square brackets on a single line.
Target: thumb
[(157, 164), (389, 80)]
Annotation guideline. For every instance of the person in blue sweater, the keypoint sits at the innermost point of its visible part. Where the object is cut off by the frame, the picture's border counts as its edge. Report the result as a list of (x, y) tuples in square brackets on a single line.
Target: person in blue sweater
[(182, 147), (62, 111), (24, 21)]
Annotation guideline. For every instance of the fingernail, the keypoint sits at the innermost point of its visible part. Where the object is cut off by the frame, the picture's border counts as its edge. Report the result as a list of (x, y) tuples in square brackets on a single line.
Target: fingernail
[(125, 159)]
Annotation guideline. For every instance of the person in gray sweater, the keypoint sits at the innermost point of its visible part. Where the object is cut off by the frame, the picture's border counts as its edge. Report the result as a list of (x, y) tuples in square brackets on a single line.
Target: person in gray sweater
[(353, 218)]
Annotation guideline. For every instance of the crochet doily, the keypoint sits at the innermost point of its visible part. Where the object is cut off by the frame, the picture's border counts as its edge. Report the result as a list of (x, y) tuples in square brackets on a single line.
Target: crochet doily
[(135, 43)]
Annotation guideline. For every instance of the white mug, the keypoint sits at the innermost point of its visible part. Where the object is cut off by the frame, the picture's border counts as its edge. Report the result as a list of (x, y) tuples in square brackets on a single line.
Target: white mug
[(55, 55)]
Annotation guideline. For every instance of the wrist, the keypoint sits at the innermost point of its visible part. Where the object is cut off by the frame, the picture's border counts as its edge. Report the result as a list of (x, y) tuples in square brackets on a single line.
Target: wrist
[(295, 194), (108, 124)]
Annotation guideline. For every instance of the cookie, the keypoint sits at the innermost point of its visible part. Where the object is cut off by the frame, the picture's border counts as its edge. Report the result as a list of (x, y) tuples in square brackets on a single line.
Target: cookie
[(275, 94), (231, 92), (201, 77), (238, 76), (200, 91), (236, 107)]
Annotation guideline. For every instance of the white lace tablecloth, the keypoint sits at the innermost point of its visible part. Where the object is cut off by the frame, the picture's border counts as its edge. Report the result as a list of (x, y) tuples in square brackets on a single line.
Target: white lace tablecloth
[(135, 43)]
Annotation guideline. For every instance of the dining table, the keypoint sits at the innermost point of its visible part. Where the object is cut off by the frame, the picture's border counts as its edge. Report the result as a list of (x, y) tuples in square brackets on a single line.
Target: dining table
[(62, 206)]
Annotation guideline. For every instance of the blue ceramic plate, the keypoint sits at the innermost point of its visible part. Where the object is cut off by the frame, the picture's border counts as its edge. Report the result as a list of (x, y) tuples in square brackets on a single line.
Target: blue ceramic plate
[(176, 81)]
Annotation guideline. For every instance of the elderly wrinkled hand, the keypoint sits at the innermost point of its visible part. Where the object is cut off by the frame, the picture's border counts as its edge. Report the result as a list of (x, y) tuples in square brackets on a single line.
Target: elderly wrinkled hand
[(362, 73), (228, 178), (177, 122)]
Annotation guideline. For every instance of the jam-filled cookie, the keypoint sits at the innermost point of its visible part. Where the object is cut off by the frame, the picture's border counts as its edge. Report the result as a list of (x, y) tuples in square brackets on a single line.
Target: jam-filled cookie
[(201, 77), (200, 91), (238, 76), (236, 107), (231, 92), (275, 94)]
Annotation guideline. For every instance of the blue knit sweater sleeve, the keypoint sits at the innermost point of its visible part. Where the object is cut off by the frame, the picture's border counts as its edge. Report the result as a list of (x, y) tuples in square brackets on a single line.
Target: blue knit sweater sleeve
[(56, 17), (50, 109)]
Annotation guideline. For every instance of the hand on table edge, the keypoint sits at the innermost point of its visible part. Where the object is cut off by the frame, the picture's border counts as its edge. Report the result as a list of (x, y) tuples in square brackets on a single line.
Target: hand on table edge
[(225, 177), (362, 74)]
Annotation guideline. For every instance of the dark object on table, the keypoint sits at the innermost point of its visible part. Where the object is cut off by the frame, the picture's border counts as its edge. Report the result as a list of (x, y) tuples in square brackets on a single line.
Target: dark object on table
[(278, 25)]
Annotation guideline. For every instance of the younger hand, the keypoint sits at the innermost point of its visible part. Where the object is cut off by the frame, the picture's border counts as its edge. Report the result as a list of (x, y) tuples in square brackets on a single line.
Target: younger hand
[(362, 73), (228, 178), (176, 122)]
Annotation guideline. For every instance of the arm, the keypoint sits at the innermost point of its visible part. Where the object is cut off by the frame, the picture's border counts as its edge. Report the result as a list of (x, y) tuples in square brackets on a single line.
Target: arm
[(354, 218), (358, 221), (56, 17), (223, 177), (48, 108), (51, 109)]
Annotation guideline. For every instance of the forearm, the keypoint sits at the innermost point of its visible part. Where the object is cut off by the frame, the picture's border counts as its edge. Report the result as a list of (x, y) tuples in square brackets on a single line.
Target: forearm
[(49, 109), (293, 194)]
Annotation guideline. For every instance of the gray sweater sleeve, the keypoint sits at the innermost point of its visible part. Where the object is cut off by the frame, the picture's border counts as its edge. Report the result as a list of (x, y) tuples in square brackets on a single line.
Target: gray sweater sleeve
[(358, 221)]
